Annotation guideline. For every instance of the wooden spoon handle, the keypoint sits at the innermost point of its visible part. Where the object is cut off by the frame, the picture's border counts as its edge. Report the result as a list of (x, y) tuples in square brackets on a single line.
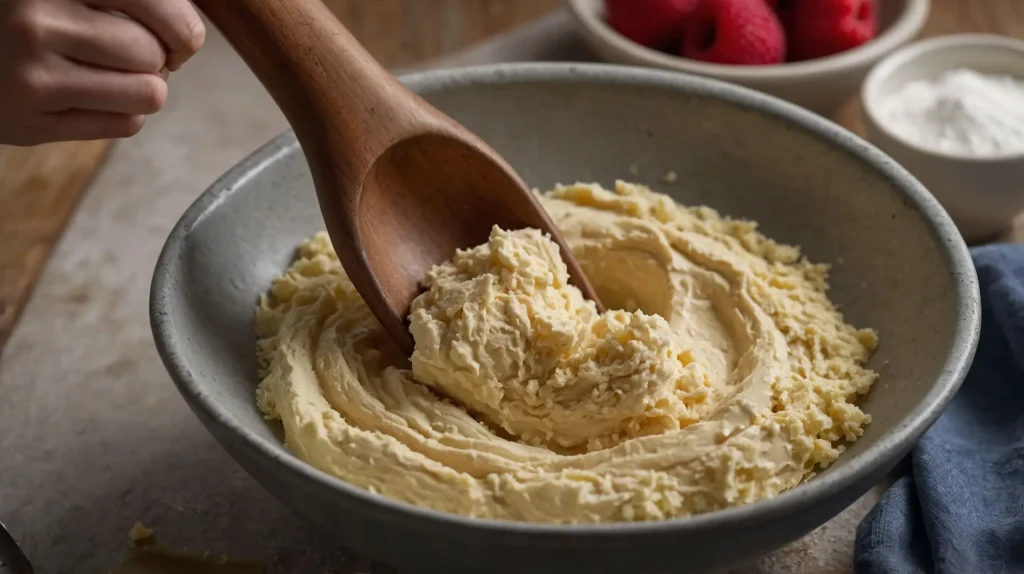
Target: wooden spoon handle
[(344, 107)]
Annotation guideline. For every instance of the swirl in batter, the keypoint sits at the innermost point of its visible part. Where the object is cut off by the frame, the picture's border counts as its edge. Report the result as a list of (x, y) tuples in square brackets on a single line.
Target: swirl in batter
[(721, 375)]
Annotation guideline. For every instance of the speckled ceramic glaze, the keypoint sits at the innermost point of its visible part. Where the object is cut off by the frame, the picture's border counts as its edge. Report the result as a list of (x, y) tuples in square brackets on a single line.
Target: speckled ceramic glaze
[(899, 266)]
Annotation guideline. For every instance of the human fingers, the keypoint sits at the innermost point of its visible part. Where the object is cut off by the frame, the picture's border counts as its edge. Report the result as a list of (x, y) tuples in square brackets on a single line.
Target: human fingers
[(71, 86), (175, 22), (107, 40), (82, 125)]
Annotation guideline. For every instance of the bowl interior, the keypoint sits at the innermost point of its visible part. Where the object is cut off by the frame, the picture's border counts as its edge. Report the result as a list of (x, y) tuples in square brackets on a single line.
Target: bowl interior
[(807, 183)]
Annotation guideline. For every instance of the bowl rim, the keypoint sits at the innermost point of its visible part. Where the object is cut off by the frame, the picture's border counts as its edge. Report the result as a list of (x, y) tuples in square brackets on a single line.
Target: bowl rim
[(877, 459), (910, 22), (908, 55)]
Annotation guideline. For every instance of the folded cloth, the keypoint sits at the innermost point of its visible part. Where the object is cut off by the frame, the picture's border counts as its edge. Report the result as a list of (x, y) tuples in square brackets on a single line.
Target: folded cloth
[(959, 507)]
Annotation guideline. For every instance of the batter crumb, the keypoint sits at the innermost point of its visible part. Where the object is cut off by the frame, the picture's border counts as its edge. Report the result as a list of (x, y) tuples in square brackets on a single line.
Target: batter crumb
[(139, 534)]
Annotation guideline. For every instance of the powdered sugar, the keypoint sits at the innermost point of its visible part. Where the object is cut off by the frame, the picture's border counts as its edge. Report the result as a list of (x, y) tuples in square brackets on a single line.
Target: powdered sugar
[(962, 112)]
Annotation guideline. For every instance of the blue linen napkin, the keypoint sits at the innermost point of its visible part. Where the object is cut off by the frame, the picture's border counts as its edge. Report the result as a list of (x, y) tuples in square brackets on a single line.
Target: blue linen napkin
[(959, 506)]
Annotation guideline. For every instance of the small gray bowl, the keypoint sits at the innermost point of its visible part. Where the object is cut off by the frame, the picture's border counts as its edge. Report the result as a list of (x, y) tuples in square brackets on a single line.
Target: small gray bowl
[(899, 266)]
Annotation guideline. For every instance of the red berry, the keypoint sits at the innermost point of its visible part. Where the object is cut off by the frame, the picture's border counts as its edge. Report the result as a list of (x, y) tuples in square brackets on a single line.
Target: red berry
[(784, 10), (820, 28), (652, 23), (740, 32)]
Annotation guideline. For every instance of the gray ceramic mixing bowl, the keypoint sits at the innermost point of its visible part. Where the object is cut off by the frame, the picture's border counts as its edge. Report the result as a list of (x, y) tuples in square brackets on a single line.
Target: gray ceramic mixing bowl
[(899, 266)]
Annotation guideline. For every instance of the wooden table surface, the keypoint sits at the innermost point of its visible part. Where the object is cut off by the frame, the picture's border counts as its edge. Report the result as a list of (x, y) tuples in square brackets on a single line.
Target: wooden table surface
[(39, 187)]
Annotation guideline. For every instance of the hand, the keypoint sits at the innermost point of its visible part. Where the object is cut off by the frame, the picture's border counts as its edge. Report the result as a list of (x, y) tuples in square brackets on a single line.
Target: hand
[(89, 69)]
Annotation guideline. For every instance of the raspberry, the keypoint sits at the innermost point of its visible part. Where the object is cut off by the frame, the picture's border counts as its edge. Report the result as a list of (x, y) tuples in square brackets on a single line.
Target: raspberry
[(784, 10), (653, 23), (820, 28), (740, 32)]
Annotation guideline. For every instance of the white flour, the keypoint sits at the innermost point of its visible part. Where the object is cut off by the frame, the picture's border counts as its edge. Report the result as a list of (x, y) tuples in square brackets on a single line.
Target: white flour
[(961, 112)]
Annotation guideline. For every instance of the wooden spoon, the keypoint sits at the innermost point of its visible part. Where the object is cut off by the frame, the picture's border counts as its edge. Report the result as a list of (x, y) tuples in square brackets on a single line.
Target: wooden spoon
[(401, 185)]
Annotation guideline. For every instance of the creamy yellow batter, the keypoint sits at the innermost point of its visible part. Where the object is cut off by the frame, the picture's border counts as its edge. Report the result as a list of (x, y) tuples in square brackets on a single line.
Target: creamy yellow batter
[(721, 376)]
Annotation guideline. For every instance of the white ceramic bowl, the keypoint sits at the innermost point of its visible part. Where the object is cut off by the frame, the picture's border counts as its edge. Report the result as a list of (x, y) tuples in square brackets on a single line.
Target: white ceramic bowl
[(981, 194), (821, 85)]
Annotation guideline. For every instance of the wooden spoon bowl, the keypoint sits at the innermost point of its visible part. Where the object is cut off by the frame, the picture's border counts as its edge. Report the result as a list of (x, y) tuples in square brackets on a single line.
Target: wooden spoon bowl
[(401, 185)]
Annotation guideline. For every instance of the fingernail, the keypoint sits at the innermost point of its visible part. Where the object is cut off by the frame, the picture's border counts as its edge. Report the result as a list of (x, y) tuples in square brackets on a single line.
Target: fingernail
[(164, 72)]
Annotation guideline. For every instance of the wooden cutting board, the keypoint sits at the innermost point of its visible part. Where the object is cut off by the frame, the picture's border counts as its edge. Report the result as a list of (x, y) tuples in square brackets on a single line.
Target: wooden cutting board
[(39, 189)]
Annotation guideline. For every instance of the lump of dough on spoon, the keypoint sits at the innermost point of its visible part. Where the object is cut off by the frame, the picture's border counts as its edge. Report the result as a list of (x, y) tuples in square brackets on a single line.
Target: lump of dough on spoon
[(501, 330)]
